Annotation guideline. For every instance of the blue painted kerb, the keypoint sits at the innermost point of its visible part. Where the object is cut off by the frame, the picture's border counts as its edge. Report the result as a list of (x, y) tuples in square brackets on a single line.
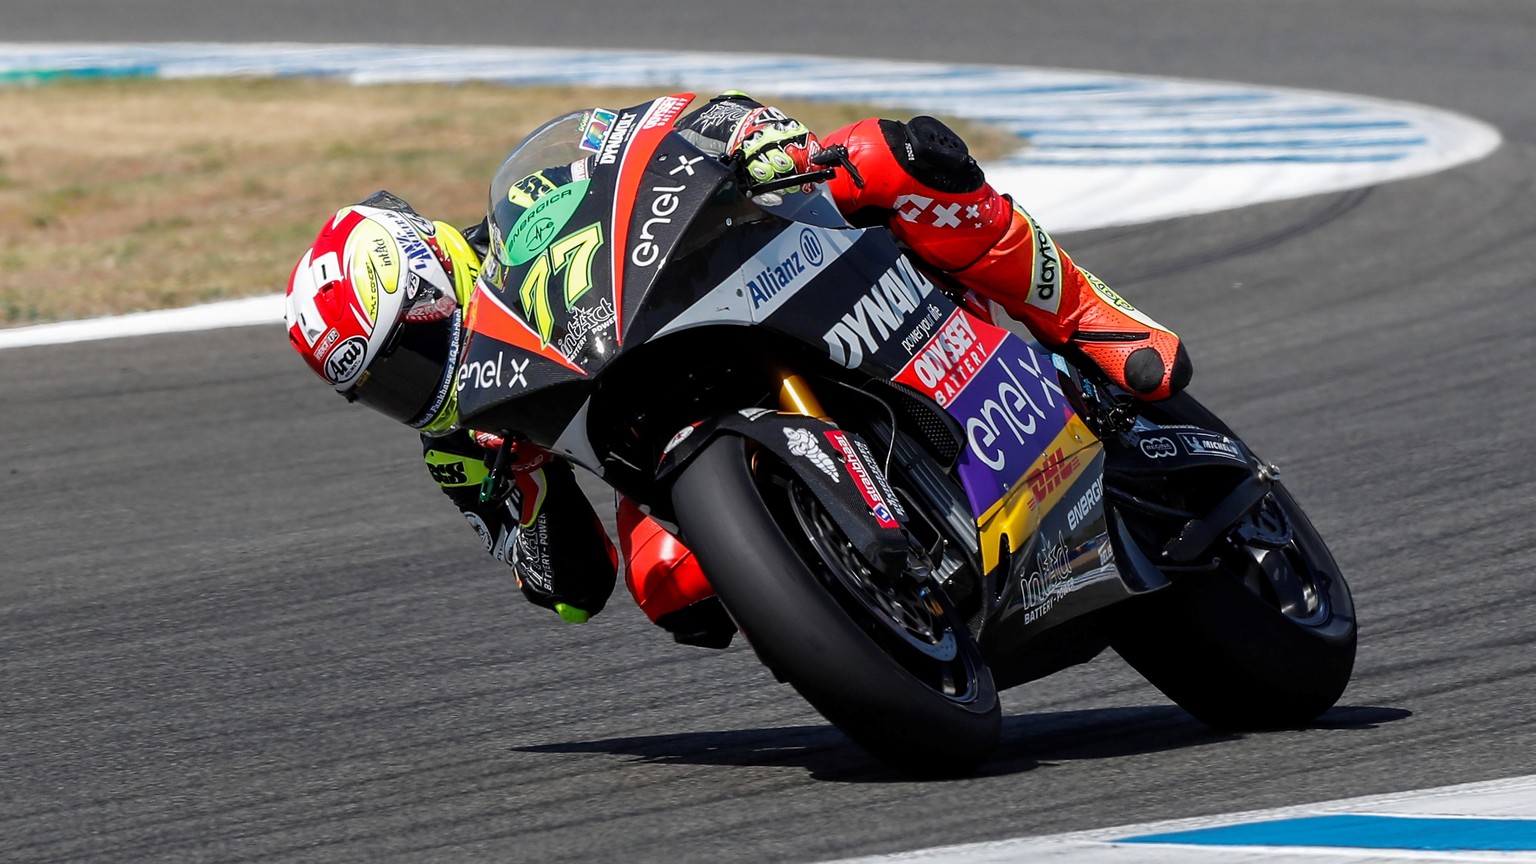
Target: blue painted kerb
[(1365, 832)]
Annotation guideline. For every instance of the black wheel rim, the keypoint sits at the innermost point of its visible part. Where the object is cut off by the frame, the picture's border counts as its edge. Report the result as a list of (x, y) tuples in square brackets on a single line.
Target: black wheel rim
[(912, 620), (1269, 557)]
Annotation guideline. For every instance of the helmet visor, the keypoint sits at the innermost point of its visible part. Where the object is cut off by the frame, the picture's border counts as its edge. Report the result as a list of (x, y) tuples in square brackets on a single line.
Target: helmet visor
[(410, 379)]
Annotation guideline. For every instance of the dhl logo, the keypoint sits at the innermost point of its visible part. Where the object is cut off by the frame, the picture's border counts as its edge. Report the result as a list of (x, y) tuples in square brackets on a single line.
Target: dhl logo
[(1018, 514), (1058, 470)]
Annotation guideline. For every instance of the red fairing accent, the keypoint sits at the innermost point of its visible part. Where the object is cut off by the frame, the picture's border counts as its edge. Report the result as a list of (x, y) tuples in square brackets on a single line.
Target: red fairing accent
[(948, 230), (946, 363), (489, 315), (661, 573), (529, 497), (652, 126), (524, 456), (608, 547)]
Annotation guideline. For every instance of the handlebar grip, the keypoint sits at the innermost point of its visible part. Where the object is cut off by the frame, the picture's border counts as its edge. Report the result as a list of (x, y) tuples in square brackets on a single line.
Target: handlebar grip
[(791, 180)]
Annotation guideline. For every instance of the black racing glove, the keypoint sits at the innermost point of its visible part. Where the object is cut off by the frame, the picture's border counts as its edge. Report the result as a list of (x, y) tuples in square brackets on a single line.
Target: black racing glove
[(540, 523)]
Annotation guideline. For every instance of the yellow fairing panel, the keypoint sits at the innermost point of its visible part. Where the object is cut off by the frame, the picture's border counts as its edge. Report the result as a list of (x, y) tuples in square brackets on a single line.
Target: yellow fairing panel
[(1016, 516)]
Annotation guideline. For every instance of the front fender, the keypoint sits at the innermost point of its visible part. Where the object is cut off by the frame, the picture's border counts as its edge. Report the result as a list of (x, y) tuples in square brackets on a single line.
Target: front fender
[(836, 465)]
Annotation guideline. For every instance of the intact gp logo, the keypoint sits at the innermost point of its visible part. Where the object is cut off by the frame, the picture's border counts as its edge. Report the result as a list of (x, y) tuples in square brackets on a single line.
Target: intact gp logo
[(1157, 448)]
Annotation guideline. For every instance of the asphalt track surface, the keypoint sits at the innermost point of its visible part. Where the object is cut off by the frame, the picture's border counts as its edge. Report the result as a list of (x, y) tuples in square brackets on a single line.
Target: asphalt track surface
[(238, 623)]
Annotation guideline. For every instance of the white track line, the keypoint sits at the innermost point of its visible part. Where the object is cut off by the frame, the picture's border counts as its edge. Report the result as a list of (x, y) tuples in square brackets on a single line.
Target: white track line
[(1097, 149), (1512, 799)]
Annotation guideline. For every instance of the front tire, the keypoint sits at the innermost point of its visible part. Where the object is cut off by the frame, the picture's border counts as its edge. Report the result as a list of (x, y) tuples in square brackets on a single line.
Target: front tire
[(893, 667)]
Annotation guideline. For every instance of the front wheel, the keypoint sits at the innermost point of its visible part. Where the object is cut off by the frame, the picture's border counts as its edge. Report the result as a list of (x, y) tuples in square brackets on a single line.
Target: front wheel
[(888, 660)]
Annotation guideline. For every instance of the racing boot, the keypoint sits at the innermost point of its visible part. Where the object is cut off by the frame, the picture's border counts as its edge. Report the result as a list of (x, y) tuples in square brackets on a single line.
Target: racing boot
[(921, 182), (667, 582)]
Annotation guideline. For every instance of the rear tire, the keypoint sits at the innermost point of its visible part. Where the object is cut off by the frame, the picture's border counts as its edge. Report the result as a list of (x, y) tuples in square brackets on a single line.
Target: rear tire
[(917, 696), (1267, 640)]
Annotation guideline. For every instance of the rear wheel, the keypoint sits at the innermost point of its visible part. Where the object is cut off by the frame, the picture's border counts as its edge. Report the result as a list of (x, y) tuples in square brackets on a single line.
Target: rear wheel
[(887, 659), (1259, 633)]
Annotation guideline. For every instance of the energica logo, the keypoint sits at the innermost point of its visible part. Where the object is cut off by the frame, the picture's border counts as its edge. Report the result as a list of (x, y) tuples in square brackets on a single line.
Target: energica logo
[(1085, 504), (539, 224)]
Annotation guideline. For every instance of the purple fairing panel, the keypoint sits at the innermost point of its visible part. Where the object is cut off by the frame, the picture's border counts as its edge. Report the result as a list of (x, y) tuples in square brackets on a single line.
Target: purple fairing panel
[(1005, 394)]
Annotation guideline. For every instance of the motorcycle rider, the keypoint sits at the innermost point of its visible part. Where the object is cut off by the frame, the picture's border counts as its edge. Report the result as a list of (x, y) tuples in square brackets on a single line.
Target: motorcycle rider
[(376, 307)]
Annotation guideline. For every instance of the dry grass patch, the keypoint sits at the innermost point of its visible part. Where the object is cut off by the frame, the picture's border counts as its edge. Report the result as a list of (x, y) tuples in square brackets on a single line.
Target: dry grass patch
[(138, 194)]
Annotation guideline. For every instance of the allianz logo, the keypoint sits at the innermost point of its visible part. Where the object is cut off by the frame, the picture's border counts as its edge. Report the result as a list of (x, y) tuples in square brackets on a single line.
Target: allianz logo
[(784, 268)]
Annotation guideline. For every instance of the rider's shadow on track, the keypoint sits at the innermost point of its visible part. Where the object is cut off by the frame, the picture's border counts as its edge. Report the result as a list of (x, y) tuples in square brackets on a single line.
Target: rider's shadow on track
[(1028, 741)]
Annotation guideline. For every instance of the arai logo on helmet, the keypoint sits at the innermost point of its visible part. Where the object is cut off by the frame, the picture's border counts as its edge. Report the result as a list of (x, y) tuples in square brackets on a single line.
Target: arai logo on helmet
[(347, 360)]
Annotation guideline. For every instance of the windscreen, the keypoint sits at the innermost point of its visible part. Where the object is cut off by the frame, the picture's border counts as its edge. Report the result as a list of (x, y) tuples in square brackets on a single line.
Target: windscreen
[(554, 154)]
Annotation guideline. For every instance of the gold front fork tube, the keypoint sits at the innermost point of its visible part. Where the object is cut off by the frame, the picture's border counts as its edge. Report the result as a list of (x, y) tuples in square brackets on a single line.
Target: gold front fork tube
[(795, 397)]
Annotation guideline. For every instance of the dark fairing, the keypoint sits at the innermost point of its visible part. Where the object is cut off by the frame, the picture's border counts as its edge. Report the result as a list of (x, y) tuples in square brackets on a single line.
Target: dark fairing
[(641, 390), (788, 284), (643, 305)]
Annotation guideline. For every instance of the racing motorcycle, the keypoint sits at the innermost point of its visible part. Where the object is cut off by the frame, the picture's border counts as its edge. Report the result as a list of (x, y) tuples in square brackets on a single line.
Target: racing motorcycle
[(902, 507)]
